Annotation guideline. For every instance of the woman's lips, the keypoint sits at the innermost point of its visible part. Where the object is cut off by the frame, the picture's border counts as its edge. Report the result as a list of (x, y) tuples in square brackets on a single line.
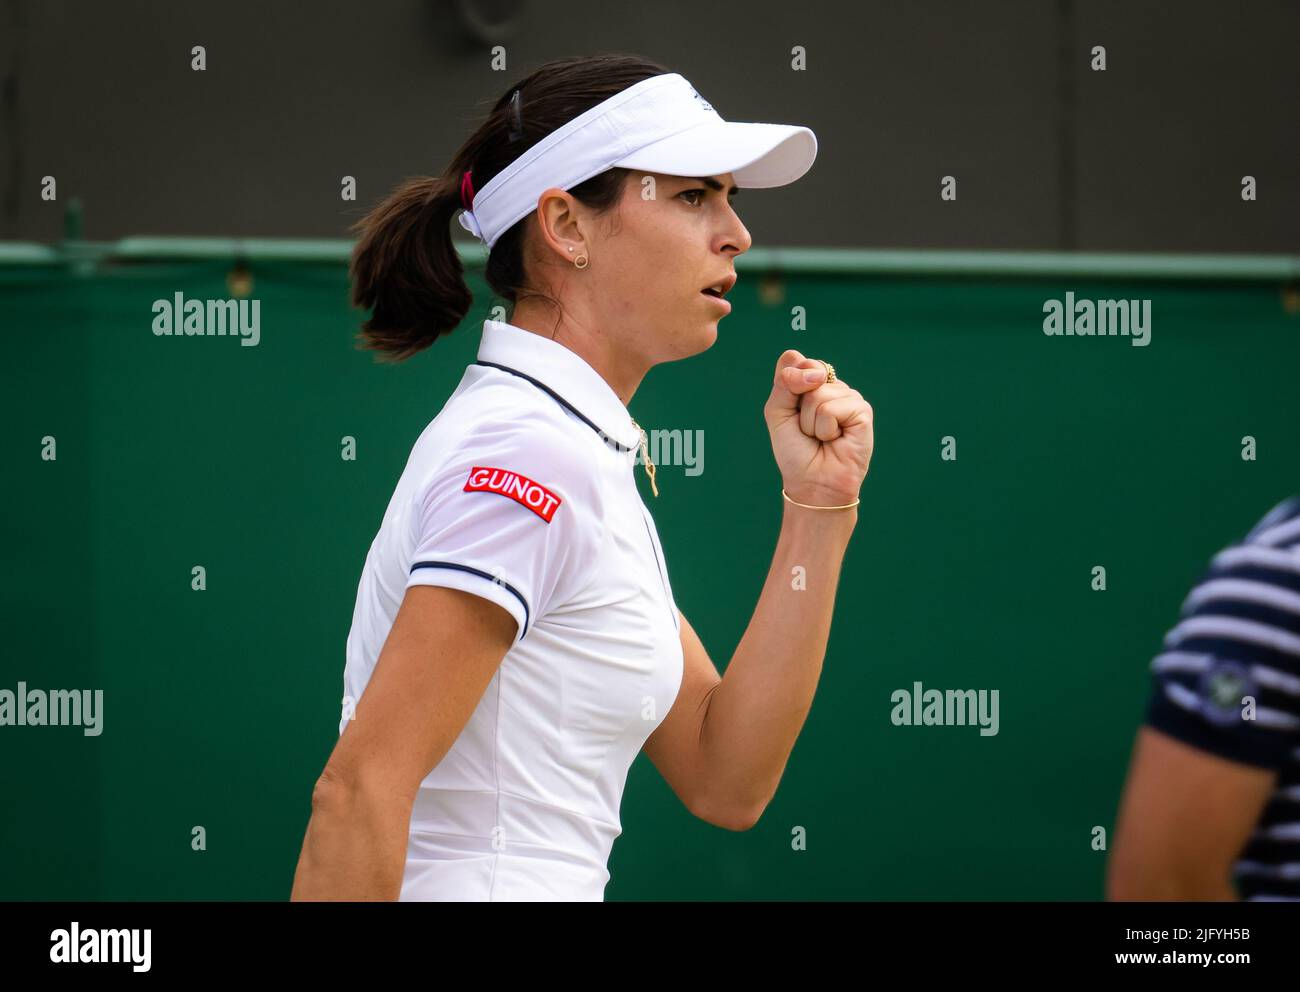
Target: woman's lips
[(726, 307)]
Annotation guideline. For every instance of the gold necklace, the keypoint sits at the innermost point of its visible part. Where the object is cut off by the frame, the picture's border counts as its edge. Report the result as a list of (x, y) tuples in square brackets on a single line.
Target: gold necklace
[(645, 458)]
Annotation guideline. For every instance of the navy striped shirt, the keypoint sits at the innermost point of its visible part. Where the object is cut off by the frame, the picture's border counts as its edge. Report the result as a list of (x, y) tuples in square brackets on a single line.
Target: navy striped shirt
[(1239, 635)]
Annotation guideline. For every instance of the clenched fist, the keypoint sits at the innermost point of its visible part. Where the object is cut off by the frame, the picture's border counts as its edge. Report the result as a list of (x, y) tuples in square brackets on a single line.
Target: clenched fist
[(821, 432)]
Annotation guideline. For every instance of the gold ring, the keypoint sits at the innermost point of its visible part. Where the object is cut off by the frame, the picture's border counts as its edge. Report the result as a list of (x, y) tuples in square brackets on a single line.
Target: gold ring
[(830, 371)]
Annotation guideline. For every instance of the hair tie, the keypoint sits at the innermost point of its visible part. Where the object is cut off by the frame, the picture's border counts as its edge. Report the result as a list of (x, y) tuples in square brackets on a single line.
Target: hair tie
[(467, 190)]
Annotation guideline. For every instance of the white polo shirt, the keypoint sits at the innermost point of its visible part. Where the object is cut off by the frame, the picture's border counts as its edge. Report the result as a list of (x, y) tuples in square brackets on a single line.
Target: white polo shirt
[(522, 491)]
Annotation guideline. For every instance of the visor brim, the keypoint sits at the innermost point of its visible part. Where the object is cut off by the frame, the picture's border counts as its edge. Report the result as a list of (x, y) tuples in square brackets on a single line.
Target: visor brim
[(758, 156)]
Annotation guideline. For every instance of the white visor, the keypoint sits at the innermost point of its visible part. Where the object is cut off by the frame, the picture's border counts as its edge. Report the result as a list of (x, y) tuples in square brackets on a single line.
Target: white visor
[(660, 124)]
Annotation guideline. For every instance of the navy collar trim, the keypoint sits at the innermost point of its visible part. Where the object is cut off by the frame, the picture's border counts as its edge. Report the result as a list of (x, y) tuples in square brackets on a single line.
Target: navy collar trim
[(559, 399)]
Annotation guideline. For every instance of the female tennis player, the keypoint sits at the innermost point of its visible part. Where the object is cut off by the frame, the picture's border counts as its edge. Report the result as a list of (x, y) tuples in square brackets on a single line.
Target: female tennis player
[(515, 641)]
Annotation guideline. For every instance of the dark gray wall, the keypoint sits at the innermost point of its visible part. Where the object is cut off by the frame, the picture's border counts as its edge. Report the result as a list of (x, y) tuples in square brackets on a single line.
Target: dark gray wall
[(1146, 156)]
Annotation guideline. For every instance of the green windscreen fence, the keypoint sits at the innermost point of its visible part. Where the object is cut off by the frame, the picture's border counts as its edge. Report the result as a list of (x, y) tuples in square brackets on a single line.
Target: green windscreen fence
[(1009, 466)]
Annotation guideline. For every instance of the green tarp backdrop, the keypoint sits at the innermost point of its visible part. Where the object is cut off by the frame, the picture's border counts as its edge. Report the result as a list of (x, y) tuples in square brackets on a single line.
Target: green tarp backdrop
[(220, 706)]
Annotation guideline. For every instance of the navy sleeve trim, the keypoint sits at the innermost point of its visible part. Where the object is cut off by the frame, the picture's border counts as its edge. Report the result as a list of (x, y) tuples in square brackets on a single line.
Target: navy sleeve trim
[(478, 571), (1190, 728)]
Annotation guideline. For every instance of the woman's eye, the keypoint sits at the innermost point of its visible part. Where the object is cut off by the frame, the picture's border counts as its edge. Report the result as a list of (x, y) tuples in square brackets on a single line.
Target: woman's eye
[(697, 192)]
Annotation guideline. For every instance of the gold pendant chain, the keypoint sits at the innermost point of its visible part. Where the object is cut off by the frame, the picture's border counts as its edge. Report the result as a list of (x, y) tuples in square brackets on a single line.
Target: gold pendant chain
[(645, 458)]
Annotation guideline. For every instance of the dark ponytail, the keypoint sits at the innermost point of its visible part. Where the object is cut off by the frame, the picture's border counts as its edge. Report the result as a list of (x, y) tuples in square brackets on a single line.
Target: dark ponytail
[(405, 267)]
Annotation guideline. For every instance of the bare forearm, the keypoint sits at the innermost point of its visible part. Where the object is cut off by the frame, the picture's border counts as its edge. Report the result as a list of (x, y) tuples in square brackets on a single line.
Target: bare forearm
[(354, 850), (1173, 890), (1126, 882), (755, 714)]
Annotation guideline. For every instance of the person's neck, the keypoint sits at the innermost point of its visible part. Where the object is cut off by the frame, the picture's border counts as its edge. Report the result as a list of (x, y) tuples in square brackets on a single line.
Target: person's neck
[(584, 340)]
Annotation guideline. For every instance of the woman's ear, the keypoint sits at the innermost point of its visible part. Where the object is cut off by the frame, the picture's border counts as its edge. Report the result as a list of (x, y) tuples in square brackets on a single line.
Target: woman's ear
[(559, 225)]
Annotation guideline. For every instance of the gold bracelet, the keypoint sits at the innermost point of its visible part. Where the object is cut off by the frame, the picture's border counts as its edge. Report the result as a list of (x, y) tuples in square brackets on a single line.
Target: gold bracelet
[(846, 506)]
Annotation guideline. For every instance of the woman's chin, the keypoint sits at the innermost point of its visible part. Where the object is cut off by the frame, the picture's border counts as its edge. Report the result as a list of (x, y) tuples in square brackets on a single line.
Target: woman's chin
[(706, 338)]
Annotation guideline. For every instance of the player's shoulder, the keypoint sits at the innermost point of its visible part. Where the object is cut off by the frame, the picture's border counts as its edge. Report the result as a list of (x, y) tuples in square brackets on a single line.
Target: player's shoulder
[(1269, 552), (1250, 591), (1280, 527), (508, 425), (507, 409), (535, 437)]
